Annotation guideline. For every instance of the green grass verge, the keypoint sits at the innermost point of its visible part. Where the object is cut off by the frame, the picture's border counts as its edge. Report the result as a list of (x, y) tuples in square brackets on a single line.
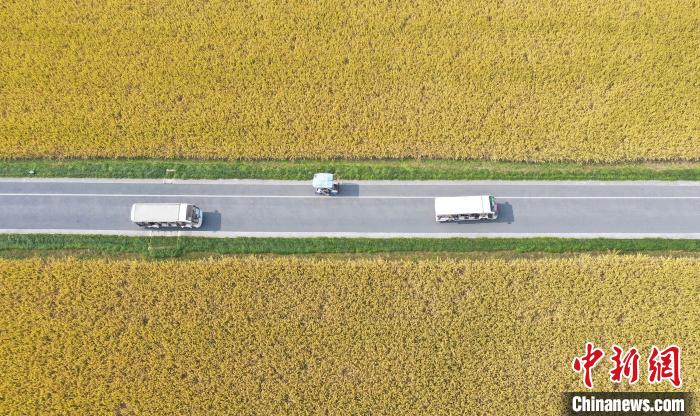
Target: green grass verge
[(165, 247), (361, 169)]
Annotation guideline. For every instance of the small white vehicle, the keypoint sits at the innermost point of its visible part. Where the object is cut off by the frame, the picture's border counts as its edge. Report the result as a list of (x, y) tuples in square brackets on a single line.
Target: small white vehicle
[(466, 208), (162, 215), (326, 184)]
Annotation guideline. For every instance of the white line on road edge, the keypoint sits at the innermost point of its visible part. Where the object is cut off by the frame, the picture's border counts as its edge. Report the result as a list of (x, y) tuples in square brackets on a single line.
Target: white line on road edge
[(320, 198), (232, 234)]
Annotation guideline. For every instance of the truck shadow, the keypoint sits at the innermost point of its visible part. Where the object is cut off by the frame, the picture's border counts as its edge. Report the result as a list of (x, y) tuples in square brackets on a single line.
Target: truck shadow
[(505, 213), (212, 221), (349, 189)]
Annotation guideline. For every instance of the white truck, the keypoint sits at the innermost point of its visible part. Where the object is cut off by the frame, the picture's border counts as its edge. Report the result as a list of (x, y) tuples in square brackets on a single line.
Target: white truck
[(161, 215), (325, 184), (465, 208)]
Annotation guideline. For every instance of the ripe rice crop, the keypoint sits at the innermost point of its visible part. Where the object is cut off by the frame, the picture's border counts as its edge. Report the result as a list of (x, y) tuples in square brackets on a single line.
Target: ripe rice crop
[(315, 336), (514, 80)]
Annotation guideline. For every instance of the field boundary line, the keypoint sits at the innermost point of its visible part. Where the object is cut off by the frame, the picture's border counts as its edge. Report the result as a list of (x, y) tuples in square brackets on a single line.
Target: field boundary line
[(234, 234)]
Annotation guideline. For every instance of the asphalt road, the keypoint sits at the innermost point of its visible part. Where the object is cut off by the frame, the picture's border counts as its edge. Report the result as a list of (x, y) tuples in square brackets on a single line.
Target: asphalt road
[(371, 209)]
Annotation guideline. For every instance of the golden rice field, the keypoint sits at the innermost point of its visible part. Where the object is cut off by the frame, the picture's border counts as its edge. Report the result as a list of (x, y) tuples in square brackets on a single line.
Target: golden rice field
[(589, 80), (316, 336)]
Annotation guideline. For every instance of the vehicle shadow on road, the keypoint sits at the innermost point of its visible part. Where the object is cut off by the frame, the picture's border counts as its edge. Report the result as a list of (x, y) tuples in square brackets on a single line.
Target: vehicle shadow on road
[(505, 213), (212, 221), (349, 189)]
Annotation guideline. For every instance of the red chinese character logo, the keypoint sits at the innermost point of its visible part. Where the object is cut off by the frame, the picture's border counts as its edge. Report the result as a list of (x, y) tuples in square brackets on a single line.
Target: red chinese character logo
[(665, 365), (627, 365), (587, 362)]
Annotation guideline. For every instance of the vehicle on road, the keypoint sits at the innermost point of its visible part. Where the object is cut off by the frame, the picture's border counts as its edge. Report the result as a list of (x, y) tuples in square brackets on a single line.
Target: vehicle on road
[(162, 215), (466, 208), (326, 184)]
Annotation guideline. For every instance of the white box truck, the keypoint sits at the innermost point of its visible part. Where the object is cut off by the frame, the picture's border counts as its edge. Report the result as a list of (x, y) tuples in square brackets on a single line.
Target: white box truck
[(466, 208), (155, 215)]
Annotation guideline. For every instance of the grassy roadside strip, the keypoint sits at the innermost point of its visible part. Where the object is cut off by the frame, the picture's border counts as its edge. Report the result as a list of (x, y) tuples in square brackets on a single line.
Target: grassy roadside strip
[(347, 169), (167, 247)]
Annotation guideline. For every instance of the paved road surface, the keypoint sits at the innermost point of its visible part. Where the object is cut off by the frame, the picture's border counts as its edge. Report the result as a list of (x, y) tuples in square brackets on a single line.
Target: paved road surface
[(373, 209)]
